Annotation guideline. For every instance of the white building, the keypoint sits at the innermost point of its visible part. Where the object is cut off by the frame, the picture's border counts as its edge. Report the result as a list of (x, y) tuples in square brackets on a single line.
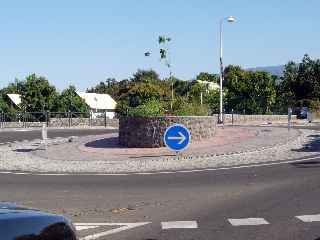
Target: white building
[(210, 86), (99, 103), (15, 98)]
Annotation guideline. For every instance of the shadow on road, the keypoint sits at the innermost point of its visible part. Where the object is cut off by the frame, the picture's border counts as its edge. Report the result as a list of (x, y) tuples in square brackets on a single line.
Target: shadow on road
[(111, 142), (307, 164), (152, 156), (24, 150), (312, 146)]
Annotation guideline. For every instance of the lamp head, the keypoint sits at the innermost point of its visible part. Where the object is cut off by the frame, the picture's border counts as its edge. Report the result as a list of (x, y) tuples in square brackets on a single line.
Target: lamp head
[(231, 19)]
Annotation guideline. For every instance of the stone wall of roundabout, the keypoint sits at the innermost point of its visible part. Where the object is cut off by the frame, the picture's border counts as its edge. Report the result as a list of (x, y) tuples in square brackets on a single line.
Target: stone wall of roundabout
[(228, 146), (148, 132)]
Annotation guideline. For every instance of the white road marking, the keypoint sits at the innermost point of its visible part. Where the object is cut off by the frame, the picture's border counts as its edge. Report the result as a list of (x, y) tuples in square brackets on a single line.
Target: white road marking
[(309, 218), (123, 227), (248, 221), (80, 227), (165, 172), (179, 224)]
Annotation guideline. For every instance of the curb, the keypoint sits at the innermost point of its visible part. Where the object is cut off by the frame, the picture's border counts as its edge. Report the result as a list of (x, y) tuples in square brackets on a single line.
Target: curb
[(169, 164)]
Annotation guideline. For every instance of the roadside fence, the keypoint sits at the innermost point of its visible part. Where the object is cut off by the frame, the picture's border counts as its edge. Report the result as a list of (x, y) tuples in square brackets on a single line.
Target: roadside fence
[(58, 119)]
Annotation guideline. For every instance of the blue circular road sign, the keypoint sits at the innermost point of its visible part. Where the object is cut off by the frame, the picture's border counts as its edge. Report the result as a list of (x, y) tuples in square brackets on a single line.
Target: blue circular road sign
[(177, 137)]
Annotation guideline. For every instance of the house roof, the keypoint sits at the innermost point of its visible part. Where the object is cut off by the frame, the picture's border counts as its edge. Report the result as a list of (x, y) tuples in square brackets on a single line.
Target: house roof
[(15, 98), (98, 101), (209, 85)]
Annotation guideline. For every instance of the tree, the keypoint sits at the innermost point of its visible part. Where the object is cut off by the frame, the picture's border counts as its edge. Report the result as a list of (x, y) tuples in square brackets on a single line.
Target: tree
[(38, 94), (181, 87), (110, 86), (252, 92), (69, 100), (143, 92), (212, 99), (17, 87), (196, 90), (300, 84), (145, 76), (165, 58), (208, 77)]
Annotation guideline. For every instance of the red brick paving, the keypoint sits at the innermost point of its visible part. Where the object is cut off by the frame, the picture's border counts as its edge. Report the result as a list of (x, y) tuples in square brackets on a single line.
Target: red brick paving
[(108, 146)]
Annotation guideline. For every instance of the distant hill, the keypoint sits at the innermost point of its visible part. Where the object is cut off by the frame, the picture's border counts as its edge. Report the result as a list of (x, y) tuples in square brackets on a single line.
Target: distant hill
[(275, 70)]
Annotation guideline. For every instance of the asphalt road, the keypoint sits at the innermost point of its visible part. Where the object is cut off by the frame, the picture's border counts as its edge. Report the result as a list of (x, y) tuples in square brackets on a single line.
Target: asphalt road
[(268, 201), (28, 134), (276, 194), (31, 134)]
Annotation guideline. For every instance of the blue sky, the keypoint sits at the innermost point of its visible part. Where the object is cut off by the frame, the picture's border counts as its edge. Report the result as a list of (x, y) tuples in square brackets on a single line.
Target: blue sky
[(83, 42)]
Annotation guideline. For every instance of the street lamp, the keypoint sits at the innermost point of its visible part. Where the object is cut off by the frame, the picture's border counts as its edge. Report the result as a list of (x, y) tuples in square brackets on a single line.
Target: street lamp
[(229, 19)]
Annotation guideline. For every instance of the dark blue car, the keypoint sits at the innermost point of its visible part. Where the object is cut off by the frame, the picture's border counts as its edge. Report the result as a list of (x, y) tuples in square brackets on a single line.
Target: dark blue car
[(27, 224), (302, 113)]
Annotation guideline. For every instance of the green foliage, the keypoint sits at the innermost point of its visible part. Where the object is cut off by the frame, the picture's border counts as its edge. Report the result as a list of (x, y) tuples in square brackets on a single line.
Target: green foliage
[(145, 76), (182, 107), (38, 94), (252, 92), (69, 100), (152, 108), (300, 84), (181, 88), (5, 103), (164, 51), (212, 100), (146, 94), (111, 87), (163, 39), (195, 91), (208, 77)]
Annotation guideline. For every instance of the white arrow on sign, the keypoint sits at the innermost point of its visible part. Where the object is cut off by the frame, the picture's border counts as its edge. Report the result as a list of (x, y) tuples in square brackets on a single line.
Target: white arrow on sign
[(123, 227), (181, 137)]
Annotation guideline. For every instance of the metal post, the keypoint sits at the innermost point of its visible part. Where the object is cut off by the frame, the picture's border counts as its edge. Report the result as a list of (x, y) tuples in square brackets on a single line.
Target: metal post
[(232, 116), (230, 19), (24, 120), (69, 116), (172, 93), (47, 118), (309, 116), (289, 118), (1, 120), (44, 135), (105, 119), (221, 73)]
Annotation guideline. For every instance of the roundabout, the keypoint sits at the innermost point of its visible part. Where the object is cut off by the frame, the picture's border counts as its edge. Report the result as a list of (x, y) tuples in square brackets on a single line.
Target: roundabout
[(233, 200), (90, 155)]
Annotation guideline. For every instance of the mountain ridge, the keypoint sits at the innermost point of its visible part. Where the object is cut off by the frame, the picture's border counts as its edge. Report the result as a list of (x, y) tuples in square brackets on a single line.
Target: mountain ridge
[(274, 70)]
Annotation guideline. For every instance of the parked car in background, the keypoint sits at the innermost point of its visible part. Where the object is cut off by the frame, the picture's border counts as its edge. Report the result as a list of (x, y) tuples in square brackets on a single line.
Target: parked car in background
[(18, 223), (302, 113)]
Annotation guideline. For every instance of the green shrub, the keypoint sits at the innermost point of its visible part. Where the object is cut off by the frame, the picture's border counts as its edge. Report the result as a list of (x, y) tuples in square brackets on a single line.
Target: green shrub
[(182, 107), (152, 108)]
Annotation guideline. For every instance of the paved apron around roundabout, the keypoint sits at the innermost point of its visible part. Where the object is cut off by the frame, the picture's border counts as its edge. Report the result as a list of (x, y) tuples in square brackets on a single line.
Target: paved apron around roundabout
[(231, 147)]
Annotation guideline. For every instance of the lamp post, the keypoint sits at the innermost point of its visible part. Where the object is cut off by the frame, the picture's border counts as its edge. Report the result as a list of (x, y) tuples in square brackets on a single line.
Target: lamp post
[(229, 19)]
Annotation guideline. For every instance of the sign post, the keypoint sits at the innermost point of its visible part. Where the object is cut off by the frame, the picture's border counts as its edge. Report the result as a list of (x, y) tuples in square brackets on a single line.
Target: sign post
[(309, 116), (44, 134), (177, 137), (289, 117)]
